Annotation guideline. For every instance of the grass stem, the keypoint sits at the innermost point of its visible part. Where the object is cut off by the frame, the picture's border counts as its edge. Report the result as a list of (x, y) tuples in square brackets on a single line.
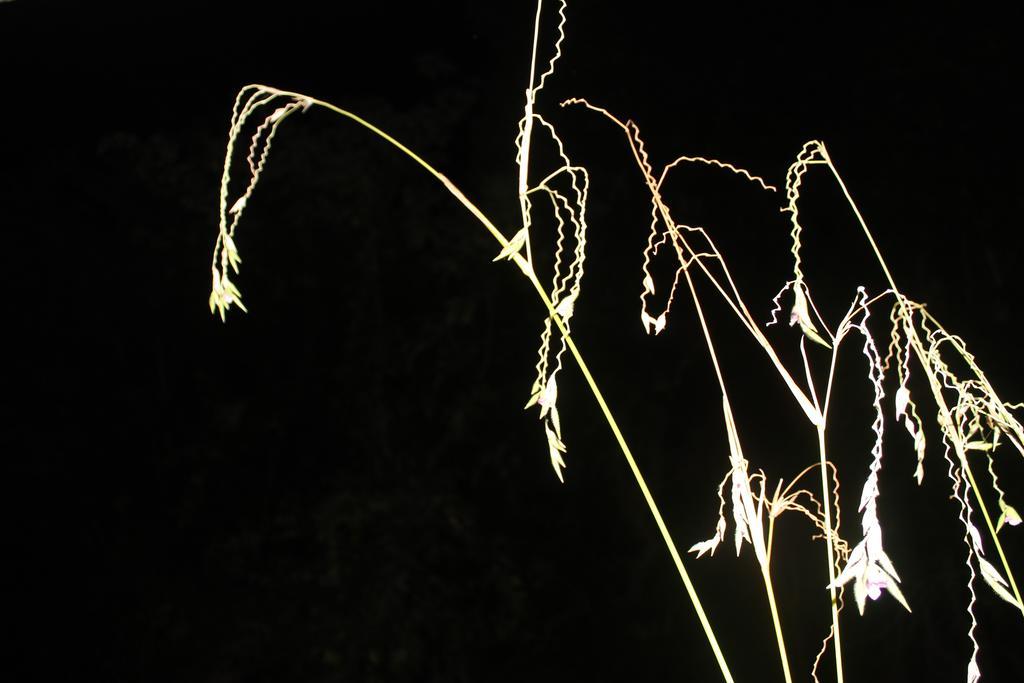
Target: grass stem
[(827, 509), (779, 639), (527, 269)]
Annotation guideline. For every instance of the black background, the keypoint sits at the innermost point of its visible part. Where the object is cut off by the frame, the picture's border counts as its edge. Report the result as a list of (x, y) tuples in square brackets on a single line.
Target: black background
[(341, 485)]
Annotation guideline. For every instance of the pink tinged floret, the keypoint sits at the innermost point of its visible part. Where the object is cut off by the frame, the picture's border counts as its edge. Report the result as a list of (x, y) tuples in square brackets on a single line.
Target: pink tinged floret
[(875, 587)]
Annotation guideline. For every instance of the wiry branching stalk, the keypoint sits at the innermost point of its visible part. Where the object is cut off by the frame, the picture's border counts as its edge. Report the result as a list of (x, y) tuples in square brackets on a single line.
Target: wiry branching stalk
[(975, 399), (971, 416)]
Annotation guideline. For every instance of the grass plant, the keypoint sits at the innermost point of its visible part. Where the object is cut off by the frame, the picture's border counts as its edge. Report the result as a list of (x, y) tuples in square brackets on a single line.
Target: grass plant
[(898, 338)]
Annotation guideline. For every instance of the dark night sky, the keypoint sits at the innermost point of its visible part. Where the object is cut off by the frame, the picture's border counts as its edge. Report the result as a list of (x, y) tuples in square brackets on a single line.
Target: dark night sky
[(341, 485)]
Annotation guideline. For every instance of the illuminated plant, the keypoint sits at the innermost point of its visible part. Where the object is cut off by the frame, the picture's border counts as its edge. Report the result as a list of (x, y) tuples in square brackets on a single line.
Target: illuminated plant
[(973, 420)]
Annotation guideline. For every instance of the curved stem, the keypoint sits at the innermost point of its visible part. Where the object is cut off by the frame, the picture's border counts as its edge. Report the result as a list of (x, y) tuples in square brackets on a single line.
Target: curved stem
[(648, 497), (527, 269)]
